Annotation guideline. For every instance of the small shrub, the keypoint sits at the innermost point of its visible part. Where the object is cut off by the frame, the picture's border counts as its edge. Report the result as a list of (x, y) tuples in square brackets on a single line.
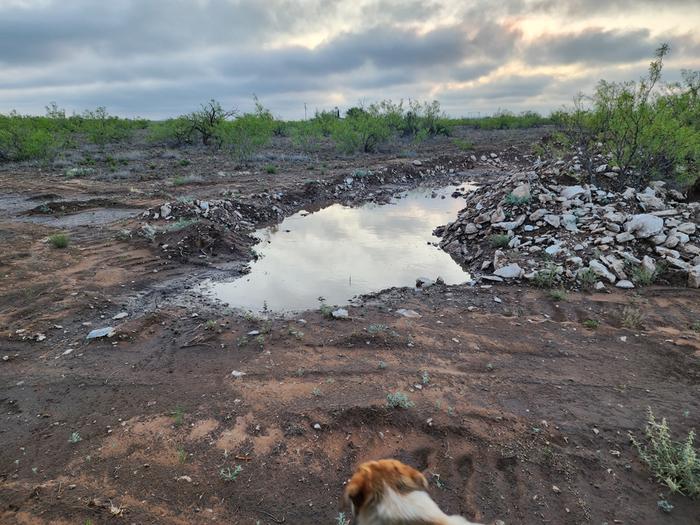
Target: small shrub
[(398, 400), (499, 240), (74, 438), (341, 519), (271, 169), (587, 278), (382, 365), (230, 474), (59, 240), (178, 416), (326, 311), (631, 317), (558, 294), (181, 456), (546, 277), (591, 324), (463, 144), (515, 200), (377, 328), (695, 327), (316, 392), (676, 464), (425, 378)]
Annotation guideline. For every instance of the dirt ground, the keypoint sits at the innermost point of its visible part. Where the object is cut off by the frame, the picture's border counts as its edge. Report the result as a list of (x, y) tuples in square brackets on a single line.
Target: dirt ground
[(520, 413)]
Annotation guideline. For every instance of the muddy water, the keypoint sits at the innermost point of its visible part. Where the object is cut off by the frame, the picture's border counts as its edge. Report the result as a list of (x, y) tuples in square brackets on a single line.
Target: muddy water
[(339, 252)]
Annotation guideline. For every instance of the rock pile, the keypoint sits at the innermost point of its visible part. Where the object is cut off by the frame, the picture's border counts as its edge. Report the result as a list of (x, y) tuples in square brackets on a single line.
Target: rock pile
[(526, 226)]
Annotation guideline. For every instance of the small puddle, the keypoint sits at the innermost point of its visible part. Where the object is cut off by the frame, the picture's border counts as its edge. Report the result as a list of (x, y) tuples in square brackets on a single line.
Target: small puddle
[(339, 252)]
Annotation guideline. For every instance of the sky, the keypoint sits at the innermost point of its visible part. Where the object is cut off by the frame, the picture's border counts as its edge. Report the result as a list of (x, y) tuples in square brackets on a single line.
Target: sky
[(162, 58)]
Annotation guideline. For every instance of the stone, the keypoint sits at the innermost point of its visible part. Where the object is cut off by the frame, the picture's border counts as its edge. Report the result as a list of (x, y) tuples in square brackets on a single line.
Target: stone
[(552, 220), (498, 216), (554, 250), (522, 191), (624, 237), (569, 222), (602, 168), (624, 283), (411, 314), (538, 214), (569, 192), (687, 228), (107, 331), (510, 271), (694, 276), (599, 286), (649, 201), (644, 225), (649, 264), (165, 210), (599, 269), (340, 313), (120, 315), (470, 228)]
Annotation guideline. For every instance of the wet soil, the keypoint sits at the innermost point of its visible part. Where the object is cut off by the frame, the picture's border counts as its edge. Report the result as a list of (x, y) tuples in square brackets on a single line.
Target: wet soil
[(520, 412)]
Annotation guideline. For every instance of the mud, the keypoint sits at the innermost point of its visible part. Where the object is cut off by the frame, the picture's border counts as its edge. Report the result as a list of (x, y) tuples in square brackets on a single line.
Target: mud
[(512, 398)]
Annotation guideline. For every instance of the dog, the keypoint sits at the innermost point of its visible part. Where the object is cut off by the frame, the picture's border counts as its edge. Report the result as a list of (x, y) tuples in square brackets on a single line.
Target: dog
[(387, 492)]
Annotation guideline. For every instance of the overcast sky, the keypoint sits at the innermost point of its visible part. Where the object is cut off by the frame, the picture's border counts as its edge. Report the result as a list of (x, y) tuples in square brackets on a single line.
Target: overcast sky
[(159, 58)]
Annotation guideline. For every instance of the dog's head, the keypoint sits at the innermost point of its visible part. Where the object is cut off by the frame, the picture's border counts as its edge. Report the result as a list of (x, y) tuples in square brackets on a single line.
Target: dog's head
[(366, 486)]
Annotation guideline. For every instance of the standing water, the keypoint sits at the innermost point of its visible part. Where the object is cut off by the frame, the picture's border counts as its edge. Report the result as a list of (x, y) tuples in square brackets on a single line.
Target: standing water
[(340, 252)]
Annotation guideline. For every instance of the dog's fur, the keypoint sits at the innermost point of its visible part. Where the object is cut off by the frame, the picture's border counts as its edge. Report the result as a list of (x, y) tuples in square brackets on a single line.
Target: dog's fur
[(387, 492)]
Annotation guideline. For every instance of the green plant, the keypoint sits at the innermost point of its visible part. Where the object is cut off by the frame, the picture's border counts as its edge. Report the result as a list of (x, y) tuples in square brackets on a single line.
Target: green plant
[(316, 392), (382, 365), (695, 327), (587, 278), (341, 519), (591, 324), (631, 317), (326, 311), (546, 277), (642, 276), (271, 169), (59, 240), (398, 399), (499, 240), (514, 200), (247, 134), (463, 144), (676, 464), (229, 474), (181, 455), (377, 328), (425, 377), (211, 324), (558, 294), (74, 438), (185, 162), (178, 416)]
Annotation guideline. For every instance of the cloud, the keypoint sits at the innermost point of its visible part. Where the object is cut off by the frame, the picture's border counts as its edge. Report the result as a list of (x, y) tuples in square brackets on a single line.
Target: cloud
[(159, 58)]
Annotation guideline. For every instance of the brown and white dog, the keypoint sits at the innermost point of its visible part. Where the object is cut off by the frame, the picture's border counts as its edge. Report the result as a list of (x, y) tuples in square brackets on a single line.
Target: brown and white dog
[(387, 492)]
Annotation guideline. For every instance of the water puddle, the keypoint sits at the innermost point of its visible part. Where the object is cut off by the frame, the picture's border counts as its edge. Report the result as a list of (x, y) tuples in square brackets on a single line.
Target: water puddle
[(340, 252)]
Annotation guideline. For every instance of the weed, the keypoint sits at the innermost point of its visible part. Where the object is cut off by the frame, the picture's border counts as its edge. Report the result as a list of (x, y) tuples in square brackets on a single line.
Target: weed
[(326, 311), (260, 341), (435, 477), (558, 294), (695, 327), (587, 278), (74, 438), (382, 365), (463, 144), (271, 169), (676, 464), (180, 224), (185, 162), (181, 456), (664, 506), (341, 519), (398, 400), (632, 317), (59, 240), (375, 329), (515, 200), (180, 180), (230, 474), (178, 416), (210, 325), (425, 377), (642, 276), (316, 392), (499, 240), (546, 277), (591, 324)]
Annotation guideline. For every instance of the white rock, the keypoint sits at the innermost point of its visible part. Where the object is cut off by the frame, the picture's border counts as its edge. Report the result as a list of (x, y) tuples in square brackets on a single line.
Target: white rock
[(340, 313), (569, 222), (165, 210), (511, 271), (694, 276), (687, 228), (648, 264), (644, 225), (552, 220), (599, 269), (624, 237), (120, 315), (522, 191), (412, 314), (625, 284), (569, 192), (599, 286)]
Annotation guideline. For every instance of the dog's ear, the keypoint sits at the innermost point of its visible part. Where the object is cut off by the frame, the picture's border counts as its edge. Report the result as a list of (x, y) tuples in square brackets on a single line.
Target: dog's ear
[(356, 493)]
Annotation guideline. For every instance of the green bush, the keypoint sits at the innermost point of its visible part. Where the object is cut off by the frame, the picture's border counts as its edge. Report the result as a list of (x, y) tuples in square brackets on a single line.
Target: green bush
[(175, 132), (649, 130), (59, 240), (676, 464), (247, 134)]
